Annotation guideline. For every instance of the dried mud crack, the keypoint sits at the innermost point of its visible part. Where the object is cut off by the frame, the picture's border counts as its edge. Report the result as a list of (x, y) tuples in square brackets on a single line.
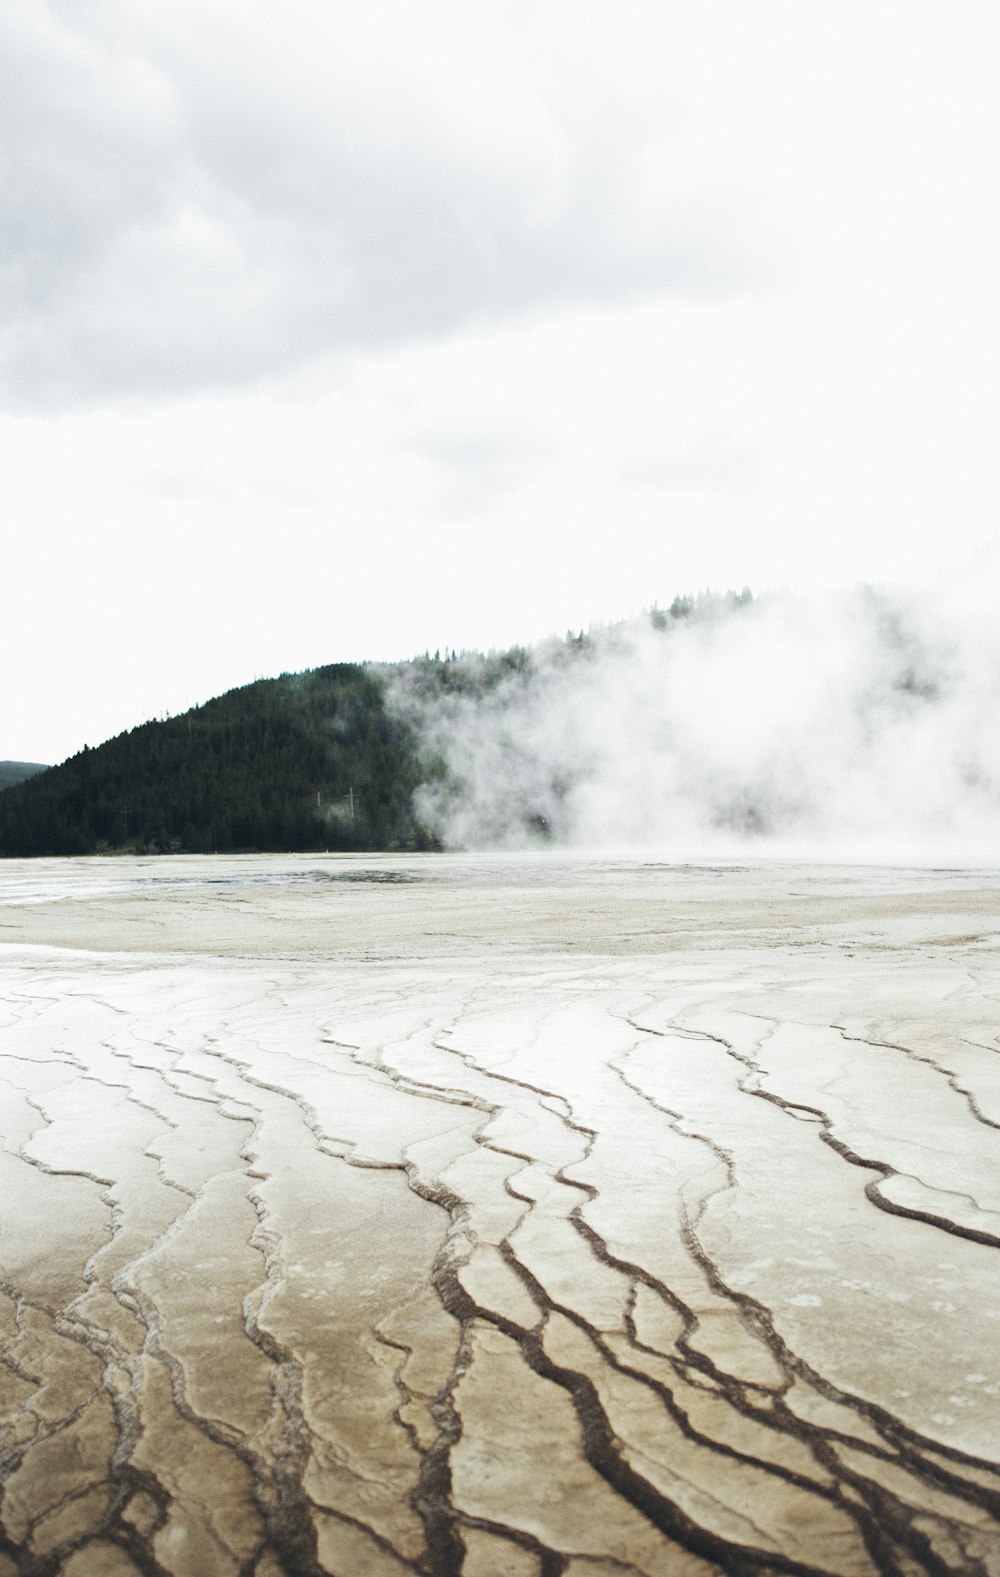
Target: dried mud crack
[(424, 1231)]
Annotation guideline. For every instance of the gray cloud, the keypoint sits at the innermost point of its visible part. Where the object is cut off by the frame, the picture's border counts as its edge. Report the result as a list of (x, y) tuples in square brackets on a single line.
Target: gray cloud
[(205, 196)]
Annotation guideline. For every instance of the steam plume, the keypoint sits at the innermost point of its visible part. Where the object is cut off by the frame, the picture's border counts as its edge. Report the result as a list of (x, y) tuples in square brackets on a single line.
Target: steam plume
[(859, 721)]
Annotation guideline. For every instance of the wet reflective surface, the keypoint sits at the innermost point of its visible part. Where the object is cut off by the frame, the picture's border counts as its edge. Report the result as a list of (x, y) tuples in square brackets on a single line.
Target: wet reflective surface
[(527, 1216)]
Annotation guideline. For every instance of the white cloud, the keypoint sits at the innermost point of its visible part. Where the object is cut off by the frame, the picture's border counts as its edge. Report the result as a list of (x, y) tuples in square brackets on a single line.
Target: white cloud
[(709, 462)]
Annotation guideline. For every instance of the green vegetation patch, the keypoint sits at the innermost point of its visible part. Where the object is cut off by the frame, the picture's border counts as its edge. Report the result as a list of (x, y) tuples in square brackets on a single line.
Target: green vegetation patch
[(308, 761)]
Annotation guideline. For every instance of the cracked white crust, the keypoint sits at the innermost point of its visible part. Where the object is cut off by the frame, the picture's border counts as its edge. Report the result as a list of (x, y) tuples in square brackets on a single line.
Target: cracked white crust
[(523, 1217)]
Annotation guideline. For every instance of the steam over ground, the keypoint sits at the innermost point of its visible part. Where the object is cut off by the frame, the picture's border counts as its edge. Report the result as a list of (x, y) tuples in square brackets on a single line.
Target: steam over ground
[(861, 722)]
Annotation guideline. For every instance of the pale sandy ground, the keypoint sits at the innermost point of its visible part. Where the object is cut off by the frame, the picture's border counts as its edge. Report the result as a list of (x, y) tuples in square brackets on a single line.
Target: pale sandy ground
[(511, 1216)]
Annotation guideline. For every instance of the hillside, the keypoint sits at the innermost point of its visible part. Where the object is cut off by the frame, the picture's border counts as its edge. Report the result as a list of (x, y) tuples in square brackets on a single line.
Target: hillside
[(306, 761), (12, 772), (461, 750)]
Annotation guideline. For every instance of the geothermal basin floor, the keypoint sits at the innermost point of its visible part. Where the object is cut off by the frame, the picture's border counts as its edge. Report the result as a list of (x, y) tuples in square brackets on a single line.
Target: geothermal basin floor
[(512, 1216)]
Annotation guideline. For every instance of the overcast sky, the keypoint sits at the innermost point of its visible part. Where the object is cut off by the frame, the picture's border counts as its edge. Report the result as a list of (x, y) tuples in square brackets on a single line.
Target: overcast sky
[(350, 328)]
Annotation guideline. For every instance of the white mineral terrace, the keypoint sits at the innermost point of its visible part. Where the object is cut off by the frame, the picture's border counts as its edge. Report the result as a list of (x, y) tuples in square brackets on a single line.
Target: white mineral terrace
[(506, 1216)]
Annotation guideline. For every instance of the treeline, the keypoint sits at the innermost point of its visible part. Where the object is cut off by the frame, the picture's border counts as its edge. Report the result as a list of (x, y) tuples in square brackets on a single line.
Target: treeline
[(305, 762)]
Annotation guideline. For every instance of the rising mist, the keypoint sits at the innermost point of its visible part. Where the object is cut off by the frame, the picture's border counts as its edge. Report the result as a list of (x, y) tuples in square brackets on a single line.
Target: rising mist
[(862, 722)]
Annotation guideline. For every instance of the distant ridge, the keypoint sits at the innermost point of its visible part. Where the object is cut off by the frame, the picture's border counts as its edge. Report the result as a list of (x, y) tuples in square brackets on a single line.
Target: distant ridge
[(12, 772), (306, 761), (344, 757)]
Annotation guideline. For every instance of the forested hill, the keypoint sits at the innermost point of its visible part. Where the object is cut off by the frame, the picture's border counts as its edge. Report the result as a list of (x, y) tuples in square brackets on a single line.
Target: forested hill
[(12, 772), (322, 760), (307, 761)]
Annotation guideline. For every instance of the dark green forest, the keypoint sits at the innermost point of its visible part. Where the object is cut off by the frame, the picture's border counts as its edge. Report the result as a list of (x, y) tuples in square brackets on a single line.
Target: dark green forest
[(304, 762)]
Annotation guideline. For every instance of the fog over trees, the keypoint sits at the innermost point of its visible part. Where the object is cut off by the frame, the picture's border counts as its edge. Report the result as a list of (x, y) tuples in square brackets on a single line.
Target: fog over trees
[(849, 719)]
